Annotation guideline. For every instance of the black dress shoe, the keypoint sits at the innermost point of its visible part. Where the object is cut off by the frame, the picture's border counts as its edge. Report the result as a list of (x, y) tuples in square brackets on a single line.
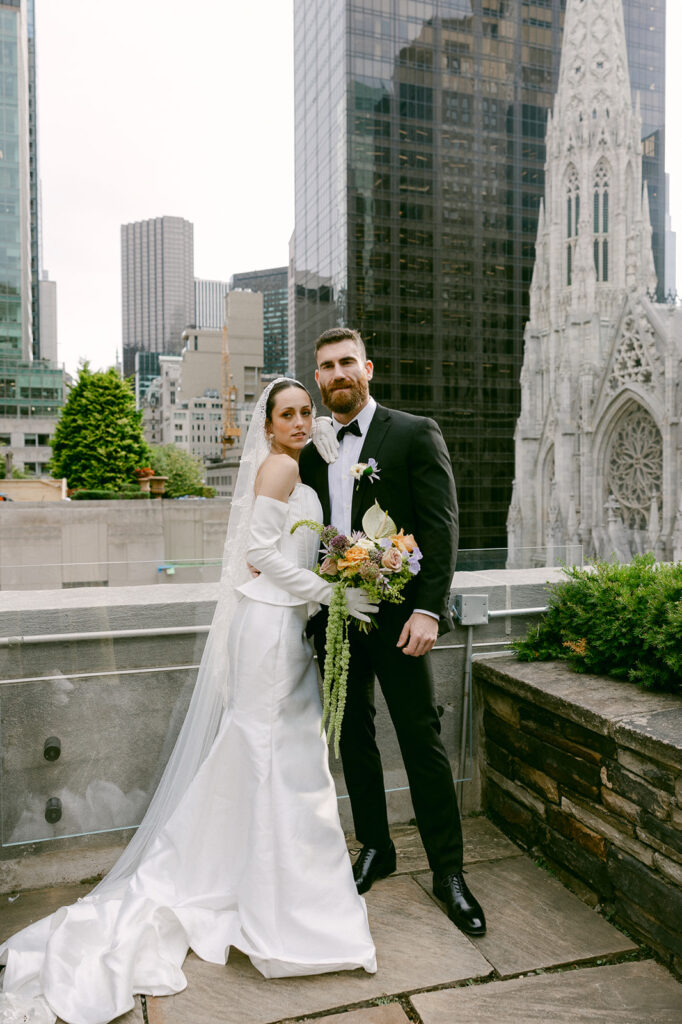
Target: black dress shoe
[(463, 908), (372, 864)]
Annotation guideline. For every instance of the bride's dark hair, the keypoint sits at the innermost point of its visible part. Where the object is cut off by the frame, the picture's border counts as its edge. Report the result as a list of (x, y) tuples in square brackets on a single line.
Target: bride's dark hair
[(275, 390)]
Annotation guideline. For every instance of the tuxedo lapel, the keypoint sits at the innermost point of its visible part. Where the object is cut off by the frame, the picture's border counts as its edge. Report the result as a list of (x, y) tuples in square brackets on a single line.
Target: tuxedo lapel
[(370, 450)]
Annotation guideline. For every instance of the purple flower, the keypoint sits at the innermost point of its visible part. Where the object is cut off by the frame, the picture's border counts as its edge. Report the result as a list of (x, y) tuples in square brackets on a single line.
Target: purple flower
[(413, 559), (328, 534), (338, 543)]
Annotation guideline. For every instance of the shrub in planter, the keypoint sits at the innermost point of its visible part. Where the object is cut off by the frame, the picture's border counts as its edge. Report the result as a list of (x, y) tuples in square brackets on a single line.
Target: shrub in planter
[(623, 621)]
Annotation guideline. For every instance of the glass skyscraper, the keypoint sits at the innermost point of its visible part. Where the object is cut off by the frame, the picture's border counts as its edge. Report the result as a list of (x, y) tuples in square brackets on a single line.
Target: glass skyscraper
[(29, 387), (420, 158)]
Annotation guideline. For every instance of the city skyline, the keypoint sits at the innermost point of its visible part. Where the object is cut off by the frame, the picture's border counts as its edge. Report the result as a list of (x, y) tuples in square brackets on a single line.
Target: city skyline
[(419, 227), (127, 166)]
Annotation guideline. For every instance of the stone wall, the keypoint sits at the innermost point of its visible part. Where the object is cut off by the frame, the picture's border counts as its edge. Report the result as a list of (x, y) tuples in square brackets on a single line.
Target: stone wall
[(587, 773)]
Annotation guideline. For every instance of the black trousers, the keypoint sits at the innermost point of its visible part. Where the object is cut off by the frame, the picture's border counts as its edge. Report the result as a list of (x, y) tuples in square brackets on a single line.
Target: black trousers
[(407, 686)]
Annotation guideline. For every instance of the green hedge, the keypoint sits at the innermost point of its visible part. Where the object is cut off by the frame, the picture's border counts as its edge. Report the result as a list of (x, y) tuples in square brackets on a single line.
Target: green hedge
[(108, 495), (623, 621)]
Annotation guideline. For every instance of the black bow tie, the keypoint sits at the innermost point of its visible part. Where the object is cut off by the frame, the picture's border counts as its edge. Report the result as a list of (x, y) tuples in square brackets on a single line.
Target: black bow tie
[(350, 428)]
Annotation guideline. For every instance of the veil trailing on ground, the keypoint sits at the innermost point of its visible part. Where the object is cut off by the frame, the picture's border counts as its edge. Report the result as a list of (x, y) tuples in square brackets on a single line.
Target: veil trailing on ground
[(210, 696)]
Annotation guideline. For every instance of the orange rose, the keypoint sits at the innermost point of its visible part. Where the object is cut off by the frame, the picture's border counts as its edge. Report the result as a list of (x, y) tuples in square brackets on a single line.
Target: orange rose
[(404, 541), (353, 557)]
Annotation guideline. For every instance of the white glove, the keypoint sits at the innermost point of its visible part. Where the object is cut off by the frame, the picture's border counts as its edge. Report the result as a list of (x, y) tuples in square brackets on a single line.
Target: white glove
[(359, 604), (324, 438)]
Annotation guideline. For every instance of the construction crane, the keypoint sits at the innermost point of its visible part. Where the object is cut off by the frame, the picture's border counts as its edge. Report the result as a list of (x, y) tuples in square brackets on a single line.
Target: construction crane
[(231, 432)]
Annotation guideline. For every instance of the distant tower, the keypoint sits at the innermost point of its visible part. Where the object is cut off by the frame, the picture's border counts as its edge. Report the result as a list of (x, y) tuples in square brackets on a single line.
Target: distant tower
[(598, 437), (157, 277), (274, 285), (17, 220), (209, 303)]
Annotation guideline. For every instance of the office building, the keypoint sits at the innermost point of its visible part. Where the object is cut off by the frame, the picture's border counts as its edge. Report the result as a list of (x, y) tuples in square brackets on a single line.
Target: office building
[(157, 278), (184, 404), (274, 286), (420, 155), (47, 302), (32, 389), (209, 303)]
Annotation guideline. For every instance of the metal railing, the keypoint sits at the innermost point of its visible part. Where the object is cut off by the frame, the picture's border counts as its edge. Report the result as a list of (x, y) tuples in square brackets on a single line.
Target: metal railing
[(471, 610)]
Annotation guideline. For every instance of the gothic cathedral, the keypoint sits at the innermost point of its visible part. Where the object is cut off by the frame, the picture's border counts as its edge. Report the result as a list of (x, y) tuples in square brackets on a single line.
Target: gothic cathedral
[(599, 438)]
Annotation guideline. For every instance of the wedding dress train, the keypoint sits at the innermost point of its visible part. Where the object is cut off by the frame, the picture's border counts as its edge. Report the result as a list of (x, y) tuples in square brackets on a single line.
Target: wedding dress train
[(253, 855)]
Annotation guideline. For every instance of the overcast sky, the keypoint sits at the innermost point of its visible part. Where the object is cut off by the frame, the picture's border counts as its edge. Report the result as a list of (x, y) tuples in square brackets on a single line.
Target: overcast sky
[(159, 107)]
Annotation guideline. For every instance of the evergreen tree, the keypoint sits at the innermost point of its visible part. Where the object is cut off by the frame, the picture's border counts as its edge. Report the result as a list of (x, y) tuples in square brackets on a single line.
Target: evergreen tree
[(184, 471), (98, 443)]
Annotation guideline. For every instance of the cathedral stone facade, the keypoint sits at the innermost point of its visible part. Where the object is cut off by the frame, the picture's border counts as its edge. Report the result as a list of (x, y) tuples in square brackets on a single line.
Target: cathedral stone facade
[(599, 437)]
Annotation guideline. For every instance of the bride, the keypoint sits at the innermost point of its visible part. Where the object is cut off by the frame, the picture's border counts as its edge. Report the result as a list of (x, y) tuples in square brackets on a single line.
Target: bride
[(241, 844)]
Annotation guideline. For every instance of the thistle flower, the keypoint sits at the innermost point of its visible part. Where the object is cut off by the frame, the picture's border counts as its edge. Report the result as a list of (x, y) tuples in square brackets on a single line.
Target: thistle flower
[(369, 571)]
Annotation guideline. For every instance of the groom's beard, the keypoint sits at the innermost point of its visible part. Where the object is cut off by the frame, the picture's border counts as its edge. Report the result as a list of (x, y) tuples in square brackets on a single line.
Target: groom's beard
[(347, 400)]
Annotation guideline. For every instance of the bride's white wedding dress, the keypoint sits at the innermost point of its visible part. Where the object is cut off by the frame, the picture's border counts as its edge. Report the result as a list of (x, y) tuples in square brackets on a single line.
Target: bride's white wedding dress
[(253, 855)]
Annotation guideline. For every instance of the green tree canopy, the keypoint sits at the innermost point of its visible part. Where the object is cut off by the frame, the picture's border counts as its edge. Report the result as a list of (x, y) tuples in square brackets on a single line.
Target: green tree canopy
[(98, 443), (184, 471)]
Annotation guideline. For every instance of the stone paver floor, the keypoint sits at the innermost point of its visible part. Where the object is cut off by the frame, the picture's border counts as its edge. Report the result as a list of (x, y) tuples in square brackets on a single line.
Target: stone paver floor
[(546, 957)]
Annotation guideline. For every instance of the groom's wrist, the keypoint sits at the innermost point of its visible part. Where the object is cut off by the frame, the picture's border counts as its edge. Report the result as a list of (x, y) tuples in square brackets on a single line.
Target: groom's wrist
[(423, 611)]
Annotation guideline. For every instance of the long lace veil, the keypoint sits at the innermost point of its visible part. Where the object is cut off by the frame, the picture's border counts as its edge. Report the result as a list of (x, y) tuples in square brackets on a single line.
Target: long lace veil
[(210, 692)]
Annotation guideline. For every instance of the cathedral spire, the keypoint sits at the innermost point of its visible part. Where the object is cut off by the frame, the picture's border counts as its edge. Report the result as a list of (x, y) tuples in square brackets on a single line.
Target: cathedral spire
[(593, 76), (594, 234)]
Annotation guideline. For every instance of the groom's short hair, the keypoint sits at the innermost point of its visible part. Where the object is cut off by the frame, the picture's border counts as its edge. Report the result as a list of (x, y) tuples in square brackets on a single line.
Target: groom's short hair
[(342, 334)]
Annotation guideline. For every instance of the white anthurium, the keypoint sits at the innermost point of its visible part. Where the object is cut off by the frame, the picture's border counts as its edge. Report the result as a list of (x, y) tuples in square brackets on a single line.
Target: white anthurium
[(377, 524)]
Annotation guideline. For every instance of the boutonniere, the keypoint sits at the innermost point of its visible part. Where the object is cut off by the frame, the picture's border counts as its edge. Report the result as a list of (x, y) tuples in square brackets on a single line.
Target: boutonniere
[(361, 469)]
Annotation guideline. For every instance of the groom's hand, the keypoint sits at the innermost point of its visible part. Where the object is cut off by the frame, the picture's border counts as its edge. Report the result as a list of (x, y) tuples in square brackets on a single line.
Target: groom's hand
[(421, 631)]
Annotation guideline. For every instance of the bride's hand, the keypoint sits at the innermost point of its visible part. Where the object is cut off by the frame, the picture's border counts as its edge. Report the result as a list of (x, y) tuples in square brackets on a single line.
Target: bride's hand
[(358, 604), (324, 438)]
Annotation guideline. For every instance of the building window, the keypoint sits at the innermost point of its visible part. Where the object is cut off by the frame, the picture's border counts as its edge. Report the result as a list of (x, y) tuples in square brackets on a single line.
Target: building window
[(572, 220), (600, 219)]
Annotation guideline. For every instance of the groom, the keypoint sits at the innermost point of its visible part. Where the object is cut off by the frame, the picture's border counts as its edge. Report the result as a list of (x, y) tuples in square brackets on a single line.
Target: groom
[(416, 487)]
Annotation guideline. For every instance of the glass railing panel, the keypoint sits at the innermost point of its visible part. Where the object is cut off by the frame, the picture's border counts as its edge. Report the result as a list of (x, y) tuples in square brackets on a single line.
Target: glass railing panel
[(49, 575), (482, 559), (94, 686), (83, 753)]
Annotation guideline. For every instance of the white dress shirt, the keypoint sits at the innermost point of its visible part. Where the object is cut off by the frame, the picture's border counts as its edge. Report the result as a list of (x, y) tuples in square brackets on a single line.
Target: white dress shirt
[(341, 482)]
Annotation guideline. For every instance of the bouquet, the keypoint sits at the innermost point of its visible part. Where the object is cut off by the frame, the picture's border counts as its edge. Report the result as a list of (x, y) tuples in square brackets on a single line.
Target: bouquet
[(381, 560)]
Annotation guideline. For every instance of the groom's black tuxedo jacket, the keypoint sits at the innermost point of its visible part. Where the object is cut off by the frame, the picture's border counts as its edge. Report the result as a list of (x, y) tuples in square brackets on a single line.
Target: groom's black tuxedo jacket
[(415, 487)]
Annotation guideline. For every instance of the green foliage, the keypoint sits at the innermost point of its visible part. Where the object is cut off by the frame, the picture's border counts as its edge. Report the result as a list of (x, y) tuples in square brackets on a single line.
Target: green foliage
[(336, 662), (98, 443), (623, 621), (103, 495), (184, 471), (16, 473)]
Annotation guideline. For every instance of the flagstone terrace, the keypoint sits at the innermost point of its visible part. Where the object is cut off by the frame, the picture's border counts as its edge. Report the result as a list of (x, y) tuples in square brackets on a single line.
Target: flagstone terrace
[(577, 775)]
